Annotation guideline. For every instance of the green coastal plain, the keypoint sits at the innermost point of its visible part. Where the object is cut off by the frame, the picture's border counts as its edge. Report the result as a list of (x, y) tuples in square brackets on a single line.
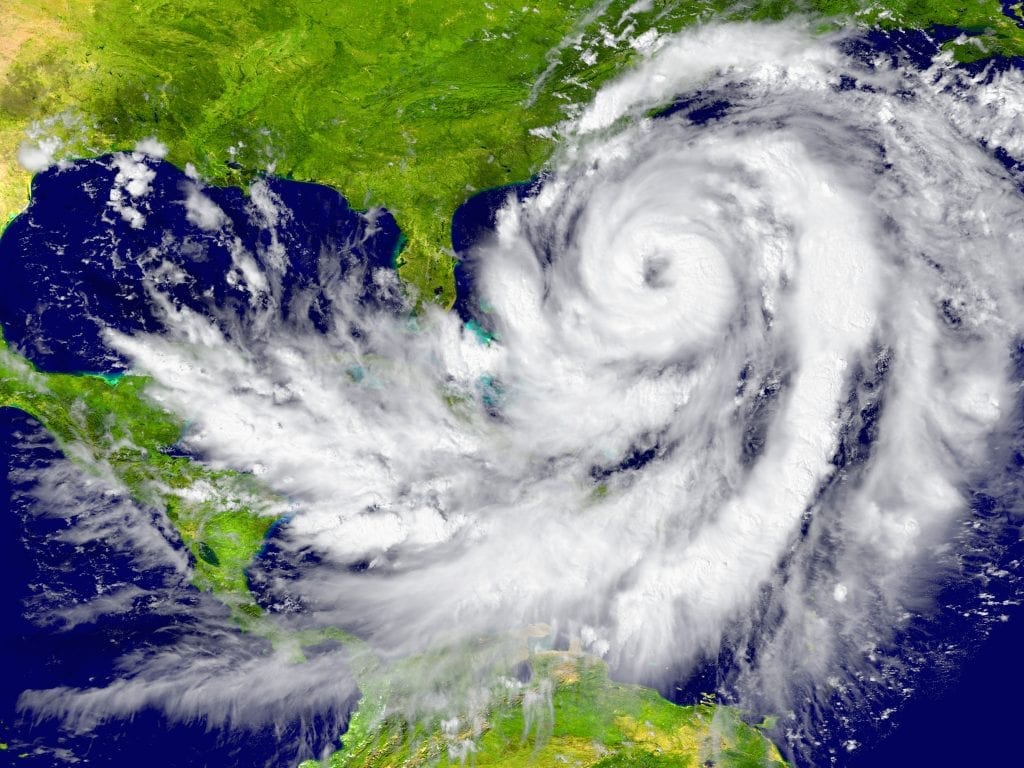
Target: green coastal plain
[(569, 714), (412, 105), (408, 104), (115, 433)]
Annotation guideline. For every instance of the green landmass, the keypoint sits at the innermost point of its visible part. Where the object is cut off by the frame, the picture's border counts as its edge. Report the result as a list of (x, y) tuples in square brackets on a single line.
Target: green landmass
[(408, 104), (569, 714), (111, 429)]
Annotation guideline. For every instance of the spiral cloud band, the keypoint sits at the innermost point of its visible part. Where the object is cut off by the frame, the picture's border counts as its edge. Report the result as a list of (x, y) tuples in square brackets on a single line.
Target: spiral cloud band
[(744, 374)]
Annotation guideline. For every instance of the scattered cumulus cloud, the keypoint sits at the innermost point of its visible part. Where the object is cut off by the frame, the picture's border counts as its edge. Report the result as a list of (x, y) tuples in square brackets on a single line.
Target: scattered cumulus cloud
[(202, 211), (151, 147)]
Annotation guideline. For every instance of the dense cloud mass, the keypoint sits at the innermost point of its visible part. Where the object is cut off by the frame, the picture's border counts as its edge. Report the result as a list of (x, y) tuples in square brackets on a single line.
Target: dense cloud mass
[(742, 378)]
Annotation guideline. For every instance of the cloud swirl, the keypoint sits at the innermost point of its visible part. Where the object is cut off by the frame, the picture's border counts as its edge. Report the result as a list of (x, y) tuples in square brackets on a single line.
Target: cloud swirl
[(745, 374)]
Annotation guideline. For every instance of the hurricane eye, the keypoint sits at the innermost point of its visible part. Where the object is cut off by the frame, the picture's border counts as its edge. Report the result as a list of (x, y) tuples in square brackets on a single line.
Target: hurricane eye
[(656, 271)]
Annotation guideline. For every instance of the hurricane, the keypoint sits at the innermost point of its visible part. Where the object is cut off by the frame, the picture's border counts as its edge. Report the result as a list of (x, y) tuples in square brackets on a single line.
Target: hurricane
[(731, 393)]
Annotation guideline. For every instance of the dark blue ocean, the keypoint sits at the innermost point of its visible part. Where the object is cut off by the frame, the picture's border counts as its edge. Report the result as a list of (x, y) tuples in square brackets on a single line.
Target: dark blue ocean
[(71, 266)]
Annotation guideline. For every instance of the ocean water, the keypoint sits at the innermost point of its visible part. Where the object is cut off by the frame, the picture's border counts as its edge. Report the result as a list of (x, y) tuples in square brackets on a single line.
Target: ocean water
[(82, 260)]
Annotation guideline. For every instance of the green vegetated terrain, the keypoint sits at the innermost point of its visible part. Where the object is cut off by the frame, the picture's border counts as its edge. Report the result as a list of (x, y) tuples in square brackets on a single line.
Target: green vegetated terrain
[(409, 104), (568, 714), (113, 431)]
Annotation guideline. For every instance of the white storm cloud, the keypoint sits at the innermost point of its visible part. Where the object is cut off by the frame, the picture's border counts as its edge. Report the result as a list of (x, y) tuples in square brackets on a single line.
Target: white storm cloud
[(690, 320)]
